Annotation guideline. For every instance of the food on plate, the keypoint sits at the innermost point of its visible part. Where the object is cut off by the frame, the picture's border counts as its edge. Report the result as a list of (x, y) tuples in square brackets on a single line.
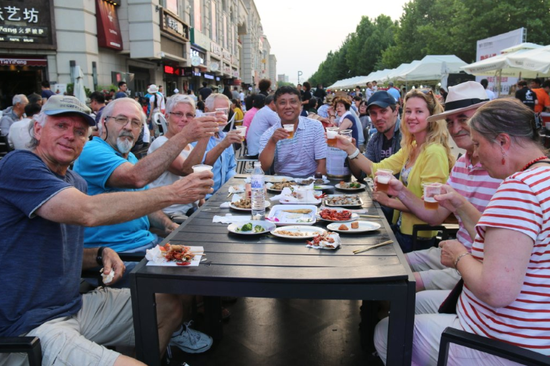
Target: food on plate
[(335, 215), (325, 240), (249, 227), (278, 186), (299, 210), (243, 203), (342, 227), (343, 200), (181, 254), (292, 233), (350, 185), (355, 225)]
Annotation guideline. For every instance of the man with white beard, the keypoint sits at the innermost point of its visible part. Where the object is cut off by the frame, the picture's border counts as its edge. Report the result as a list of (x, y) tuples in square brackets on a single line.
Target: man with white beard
[(107, 165)]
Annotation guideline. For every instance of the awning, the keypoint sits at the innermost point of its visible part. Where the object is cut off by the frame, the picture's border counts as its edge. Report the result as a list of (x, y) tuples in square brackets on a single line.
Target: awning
[(27, 61)]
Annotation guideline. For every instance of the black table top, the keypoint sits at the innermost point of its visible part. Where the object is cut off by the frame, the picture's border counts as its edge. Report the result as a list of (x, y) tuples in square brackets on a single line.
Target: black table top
[(269, 258)]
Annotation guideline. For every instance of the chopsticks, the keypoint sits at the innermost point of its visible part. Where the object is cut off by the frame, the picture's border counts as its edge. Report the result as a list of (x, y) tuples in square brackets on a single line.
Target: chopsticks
[(374, 246), (370, 216)]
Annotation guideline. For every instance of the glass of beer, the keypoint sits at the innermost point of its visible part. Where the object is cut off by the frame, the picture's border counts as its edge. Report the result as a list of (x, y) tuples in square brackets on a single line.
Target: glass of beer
[(241, 130), (201, 168), (430, 190), (383, 177), (331, 136), (222, 114), (289, 128), (346, 134)]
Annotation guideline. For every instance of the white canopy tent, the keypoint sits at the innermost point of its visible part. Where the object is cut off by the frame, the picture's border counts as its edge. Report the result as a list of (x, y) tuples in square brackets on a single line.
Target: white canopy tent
[(534, 61), (432, 67)]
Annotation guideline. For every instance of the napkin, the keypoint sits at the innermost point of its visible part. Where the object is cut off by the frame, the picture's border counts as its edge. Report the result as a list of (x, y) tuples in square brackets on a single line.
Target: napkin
[(229, 219), (323, 244), (236, 189), (301, 194)]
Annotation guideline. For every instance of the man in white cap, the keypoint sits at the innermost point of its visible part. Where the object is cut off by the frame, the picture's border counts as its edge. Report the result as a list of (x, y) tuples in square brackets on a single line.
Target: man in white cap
[(44, 211), (156, 105)]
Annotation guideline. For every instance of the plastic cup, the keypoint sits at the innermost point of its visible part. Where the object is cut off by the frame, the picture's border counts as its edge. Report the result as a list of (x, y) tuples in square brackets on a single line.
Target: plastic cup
[(241, 130), (222, 113), (201, 168), (383, 177), (331, 136), (346, 134), (430, 190), (290, 129)]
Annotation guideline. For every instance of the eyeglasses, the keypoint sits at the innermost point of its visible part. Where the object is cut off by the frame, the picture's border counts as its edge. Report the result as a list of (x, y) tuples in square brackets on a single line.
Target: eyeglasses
[(180, 115), (123, 120)]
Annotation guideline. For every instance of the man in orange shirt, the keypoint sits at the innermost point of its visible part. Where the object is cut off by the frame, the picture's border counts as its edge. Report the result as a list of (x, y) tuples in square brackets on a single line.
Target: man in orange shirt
[(543, 104)]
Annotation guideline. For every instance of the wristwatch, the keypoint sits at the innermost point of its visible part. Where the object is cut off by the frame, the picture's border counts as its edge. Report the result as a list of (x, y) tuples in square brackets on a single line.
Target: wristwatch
[(99, 257)]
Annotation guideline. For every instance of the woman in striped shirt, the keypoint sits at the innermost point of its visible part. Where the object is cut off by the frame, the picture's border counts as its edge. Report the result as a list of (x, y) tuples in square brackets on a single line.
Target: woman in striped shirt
[(507, 275)]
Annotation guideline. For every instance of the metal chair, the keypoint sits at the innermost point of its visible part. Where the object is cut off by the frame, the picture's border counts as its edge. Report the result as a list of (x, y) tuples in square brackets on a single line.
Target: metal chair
[(446, 231), (488, 345), (28, 345), (245, 164)]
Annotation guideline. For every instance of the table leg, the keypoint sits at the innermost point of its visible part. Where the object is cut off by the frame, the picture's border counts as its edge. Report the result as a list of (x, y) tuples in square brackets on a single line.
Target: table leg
[(400, 330), (213, 316)]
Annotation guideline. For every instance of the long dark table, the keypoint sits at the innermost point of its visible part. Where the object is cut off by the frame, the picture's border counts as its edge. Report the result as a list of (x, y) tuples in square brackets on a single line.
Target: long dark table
[(271, 267)]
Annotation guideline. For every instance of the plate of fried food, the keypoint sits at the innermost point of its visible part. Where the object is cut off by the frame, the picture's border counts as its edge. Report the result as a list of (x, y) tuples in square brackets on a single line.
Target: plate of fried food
[(350, 186), (293, 215), (277, 187), (297, 232), (354, 227), (171, 255), (244, 204), (253, 227), (343, 200), (337, 214)]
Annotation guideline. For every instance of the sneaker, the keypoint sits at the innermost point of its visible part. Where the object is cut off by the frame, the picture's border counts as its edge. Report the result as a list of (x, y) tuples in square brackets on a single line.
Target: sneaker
[(190, 340)]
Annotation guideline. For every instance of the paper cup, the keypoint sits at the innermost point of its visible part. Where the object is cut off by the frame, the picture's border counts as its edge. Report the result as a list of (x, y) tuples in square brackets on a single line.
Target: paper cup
[(241, 130), (290, 129), (383, 177), (331, 136), (430, 190)]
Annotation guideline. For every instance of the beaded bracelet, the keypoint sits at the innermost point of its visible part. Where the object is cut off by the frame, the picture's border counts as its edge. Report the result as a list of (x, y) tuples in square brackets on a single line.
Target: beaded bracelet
[(458, 259)]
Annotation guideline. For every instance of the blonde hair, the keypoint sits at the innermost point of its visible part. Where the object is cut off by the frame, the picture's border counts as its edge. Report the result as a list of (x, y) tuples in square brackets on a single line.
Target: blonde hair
[(437, 130)]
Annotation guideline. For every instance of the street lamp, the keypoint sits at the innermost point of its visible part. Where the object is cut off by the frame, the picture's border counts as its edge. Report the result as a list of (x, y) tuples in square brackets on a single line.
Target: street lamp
[(299, 74)]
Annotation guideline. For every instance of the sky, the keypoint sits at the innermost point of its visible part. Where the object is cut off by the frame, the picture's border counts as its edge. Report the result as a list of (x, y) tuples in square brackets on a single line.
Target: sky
[(302, 32)]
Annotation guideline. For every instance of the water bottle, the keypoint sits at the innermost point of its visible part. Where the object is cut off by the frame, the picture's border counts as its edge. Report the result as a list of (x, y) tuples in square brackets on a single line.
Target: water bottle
[(258, 192)]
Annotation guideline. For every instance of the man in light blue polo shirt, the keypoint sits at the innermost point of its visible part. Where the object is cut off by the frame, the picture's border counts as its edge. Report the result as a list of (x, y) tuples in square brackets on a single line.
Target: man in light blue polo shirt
[(305, 153)]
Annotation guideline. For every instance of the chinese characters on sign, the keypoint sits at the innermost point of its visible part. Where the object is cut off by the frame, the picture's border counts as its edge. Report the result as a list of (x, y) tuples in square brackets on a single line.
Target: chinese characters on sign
[(26, 25), (172, 24)]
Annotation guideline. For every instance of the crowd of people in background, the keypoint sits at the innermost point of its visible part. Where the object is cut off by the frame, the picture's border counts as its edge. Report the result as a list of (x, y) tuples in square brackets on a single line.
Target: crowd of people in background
[(139, 149)]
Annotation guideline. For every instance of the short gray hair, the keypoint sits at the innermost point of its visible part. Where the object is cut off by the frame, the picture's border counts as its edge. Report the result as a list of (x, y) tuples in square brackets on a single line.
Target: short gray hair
[(19, 98), (176, 99), (211, 100)]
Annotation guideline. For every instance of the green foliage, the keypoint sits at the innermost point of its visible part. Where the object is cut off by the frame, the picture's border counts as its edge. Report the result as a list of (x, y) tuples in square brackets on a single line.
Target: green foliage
[(431, 27), (284, 83)]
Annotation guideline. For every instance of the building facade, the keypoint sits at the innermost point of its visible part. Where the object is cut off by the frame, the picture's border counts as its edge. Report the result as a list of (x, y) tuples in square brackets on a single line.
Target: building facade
[(175, 43)]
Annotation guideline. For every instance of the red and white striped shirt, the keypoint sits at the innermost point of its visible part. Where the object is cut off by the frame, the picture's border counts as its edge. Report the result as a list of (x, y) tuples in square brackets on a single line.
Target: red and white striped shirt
[(522, 203), (474, 183)]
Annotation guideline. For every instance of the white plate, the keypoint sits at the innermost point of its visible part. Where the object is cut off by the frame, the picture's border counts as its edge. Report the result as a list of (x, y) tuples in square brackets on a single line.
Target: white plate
[(364, 226), (285, 202), (267, 204), (354, 216), (277, 178), (339, 204), (307, 232), (267, 226), (362, 186), (279, 215), (269, 187), (300, 180)]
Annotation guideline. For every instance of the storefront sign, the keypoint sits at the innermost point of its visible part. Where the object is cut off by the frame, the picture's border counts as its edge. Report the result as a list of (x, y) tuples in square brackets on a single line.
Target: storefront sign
[(4, 61), (215, 50), (29, 24), (199, 54), (173, 70), (226, 69), (108, 27), (199, 39), (208, 76), (236, 74), (226, 55), (173, 25)]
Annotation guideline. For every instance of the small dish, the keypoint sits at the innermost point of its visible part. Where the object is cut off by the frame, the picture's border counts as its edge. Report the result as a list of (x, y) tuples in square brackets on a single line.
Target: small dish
[(364, 226), (337, 212), (293, 215), (347, 188), (267, 226), (297, 232), (343, 200)]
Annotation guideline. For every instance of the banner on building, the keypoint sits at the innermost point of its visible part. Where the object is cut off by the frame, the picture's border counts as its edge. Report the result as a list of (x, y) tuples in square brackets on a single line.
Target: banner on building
[(108, 27), (27, 24)]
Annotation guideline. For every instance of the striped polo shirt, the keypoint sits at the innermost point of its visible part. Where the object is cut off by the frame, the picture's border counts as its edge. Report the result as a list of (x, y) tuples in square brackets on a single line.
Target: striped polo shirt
[(522, 203), (474, 183), (297, 157)]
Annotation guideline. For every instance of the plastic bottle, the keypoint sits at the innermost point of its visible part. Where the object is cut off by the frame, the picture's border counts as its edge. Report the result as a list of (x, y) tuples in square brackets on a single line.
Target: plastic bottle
[(258, 192)]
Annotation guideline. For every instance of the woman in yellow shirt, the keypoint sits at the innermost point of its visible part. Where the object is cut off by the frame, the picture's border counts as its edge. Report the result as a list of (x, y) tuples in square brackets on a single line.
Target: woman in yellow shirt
[(239, 114), (425, 157)]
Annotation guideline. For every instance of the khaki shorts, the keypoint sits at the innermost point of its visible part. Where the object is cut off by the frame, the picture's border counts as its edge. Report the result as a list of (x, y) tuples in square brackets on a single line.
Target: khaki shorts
[(434, 274), (105, 318)]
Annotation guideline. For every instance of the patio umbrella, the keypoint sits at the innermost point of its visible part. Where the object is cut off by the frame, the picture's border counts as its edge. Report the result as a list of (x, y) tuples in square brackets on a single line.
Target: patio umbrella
[(79, 91), (535, 60)]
